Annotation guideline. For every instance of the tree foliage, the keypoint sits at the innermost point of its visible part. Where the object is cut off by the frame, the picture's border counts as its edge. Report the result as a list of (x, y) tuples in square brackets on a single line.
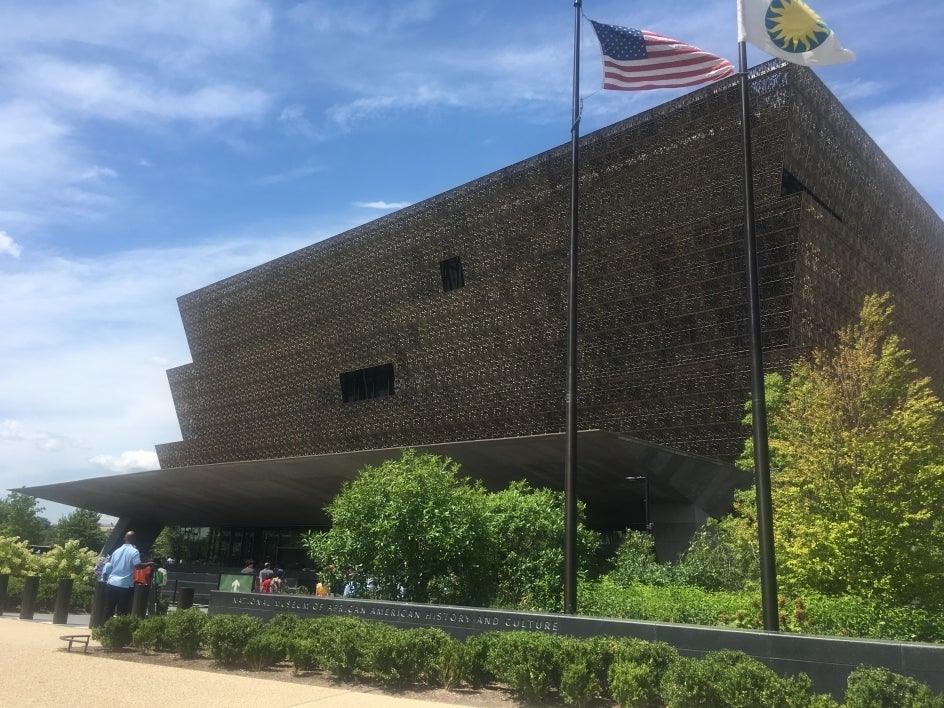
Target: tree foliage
[(857, 469), (527, 527), (412, 529), (82, 526), (19, 516)]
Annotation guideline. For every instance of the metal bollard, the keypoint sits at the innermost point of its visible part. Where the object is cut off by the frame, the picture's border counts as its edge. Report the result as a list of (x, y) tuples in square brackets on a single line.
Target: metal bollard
[(27, 604), (139, 603), (185, 599), (97, 619), (4, 586), (60, 614)]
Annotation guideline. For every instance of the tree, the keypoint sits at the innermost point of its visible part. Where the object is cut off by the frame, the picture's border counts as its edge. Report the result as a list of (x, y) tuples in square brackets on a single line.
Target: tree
[(169, 543), (857, 469), (527, 525), (83, 526), (411, 529), (19, 516)]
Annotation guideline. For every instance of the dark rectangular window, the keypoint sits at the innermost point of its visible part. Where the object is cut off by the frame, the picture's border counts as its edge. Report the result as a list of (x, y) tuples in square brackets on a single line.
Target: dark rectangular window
[(452, 275), (373, 382)]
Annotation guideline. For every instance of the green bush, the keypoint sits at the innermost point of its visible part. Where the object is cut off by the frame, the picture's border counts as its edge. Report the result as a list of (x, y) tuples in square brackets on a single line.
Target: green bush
[(530, 663), (303, 653), (812, 613), (718, 560), (476, 665), (283, 629), (869, 687), (339, 644), (70, 560), (633, 684), (669, 603), (264, 650), (637, 669), (420, 653), (580, 681), (451, 666), (116, 632), (148, 636), (381, 654), (401, 657), (732, 679), (871, 618), (225, 636), (184, 631), (635, 562)]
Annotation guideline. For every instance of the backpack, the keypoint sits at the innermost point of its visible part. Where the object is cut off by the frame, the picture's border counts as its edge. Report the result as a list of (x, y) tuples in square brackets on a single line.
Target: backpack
[(142, 576)]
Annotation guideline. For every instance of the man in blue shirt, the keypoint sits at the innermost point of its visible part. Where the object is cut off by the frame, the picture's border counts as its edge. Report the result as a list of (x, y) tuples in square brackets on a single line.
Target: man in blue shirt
[(119, 588)]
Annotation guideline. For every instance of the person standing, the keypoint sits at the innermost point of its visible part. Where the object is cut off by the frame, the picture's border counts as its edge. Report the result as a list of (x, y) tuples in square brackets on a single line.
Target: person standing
[(265, 574), (119, 588)]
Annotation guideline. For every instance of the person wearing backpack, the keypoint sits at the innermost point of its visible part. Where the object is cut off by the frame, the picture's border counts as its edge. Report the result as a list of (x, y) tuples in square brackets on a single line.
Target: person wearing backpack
[(158, 581)]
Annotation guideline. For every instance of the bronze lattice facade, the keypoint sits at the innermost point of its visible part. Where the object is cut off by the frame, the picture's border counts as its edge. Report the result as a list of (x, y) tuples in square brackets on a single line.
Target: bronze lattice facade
[(445, 321)]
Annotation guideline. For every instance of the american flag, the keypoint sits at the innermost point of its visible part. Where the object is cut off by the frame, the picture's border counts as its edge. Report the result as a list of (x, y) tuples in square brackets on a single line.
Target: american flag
[(635, 60)]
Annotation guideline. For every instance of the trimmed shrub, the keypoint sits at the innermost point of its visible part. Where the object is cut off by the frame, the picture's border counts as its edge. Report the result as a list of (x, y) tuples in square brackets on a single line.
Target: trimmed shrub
[(184, 631), (476, 669), (117, 632), (637, 669), (340, 644), (530, 663), (870, 687), (451, 666), (420, 650), (225, 636), (732, 679), (633, 684), (580, 681), (148, 636), (403, 656), (303, 653), (264, 650), (381, 655)]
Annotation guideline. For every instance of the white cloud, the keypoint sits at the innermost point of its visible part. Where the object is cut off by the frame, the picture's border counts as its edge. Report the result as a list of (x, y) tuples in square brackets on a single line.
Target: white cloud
[(171, 31), (127, 461), (385, 206), (8, 246), (417, 97), (294, 122), (85, 351), (118, 93)]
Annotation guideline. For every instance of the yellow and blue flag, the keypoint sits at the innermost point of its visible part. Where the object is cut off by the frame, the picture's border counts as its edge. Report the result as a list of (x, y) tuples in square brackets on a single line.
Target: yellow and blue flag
[(790, 30)]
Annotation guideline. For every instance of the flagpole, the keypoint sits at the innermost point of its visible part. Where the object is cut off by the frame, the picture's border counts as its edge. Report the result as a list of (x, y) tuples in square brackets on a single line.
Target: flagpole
[(570, 463), (765, 527)]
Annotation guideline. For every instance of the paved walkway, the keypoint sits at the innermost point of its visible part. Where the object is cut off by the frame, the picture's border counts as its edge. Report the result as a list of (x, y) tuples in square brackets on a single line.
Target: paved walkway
[(39, 672)]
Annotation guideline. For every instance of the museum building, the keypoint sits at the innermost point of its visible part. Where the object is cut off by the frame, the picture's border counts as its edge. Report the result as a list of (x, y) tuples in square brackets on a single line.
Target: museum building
[(442, 326)]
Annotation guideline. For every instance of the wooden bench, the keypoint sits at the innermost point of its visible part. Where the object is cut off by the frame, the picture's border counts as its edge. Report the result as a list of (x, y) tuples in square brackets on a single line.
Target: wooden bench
[(80, 639)]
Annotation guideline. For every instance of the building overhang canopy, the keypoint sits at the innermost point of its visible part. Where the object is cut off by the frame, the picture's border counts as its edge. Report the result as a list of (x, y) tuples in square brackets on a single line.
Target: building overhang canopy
[(293, 492)]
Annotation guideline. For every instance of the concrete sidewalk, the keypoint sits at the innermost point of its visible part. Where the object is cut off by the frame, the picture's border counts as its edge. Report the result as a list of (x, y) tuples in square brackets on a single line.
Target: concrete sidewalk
[(40, 672)]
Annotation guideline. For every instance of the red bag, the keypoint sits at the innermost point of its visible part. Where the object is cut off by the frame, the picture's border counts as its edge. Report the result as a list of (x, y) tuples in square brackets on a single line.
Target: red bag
[(142, 576)]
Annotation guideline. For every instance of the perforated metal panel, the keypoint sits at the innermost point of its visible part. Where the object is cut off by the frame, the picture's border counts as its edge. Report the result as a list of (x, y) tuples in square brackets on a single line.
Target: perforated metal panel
[(663, 344)]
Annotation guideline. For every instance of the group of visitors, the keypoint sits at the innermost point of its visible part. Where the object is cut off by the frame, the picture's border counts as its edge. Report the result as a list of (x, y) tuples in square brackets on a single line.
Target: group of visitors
[(268, 580)]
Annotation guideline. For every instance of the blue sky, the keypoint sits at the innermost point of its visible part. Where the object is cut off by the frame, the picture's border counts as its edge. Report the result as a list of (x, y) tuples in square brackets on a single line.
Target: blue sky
[(150, 148)]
